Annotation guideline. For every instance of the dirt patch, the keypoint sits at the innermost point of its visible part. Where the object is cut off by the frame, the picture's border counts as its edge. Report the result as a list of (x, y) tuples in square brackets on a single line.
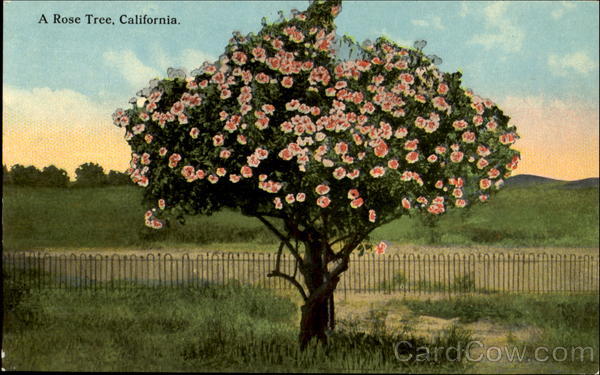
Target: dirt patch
[(430, 326), (494, 334), (399, 318), (396, 318)]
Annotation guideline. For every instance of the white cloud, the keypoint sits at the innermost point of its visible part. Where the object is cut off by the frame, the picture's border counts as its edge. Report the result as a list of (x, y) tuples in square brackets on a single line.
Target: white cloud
[(48, 108), (130, 66), (193, 58), (465, 9), (138, 73), (501, 31), (435, 22), (563, 8), (420, 23), (189, 59), (578, 62)]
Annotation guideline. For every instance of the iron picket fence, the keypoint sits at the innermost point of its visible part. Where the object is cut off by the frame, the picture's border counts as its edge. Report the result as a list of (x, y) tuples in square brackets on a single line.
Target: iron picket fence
[(370, 273)]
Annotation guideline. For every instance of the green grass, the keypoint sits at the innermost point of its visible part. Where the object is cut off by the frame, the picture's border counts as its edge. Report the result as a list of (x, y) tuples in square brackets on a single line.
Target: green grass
[(243, 328), (111, 217), (543, 216), (400, 282), (232, 328), (562, 320), (515, 217)]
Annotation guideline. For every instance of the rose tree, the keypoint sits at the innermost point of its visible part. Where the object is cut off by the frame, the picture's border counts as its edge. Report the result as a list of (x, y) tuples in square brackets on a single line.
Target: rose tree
[(320, 147)]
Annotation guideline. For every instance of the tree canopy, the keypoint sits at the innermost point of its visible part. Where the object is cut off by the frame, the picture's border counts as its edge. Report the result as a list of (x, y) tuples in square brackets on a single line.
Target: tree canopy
[(49, 176), (54, 177), (90, 174), (284, 126), (331, 137)]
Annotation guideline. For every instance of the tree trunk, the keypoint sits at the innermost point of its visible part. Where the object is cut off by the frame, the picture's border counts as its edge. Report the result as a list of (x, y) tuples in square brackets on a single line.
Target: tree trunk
[(317, 311), (318, 316), (314, 322), (331, 312)]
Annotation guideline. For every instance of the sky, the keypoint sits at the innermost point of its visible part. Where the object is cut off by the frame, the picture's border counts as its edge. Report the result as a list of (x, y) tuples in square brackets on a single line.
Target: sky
[(61, 82)]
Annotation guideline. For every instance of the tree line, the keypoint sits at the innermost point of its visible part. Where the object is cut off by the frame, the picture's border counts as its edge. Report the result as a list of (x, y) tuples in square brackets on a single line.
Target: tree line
[(86, 175)]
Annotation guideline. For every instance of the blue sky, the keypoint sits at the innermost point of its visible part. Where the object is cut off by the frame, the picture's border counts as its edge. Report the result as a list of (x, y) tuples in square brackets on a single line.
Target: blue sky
[(524, 55)]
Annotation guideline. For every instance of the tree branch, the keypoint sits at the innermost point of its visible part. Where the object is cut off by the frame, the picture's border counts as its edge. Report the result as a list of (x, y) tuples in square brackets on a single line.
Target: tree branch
[(277, 273), (296, 262), (283, 239), (278, 262), (340, 239), (292, 226), (295, 269), (333, 277), (350, 246), (256, 213), (329, 285)]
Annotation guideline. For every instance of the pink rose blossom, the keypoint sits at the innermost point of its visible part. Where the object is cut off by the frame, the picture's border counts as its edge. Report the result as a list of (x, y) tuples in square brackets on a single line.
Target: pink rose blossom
[(322, 189), (412, 157), (380, 248), (372, 216), (323, 201), (377, 172), (356, 203)]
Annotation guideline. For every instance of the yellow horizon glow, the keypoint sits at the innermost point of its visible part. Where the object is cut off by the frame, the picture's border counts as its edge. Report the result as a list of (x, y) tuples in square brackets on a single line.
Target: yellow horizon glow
[(558, 140), (67, 149)]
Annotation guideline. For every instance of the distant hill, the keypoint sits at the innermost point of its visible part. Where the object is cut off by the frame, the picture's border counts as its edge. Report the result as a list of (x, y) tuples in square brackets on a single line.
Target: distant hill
[(581, 184), (524, 180), (527, 180)]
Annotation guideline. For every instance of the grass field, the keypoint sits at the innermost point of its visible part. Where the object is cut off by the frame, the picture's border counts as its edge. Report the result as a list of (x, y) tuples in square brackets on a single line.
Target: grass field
[(109, 217), (245, 328), (538, 216), (242, 328), (232, 328)]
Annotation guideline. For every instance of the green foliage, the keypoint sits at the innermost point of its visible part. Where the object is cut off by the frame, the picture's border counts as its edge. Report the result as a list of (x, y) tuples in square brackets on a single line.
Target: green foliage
[(17, 292), (14, 290), (25, 176), (6, 179), (469, 309), (387, 124), (52, 176), (464, 283), (235, 328), (571, 323), (90, 175), (116, 178), (524, 217)]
